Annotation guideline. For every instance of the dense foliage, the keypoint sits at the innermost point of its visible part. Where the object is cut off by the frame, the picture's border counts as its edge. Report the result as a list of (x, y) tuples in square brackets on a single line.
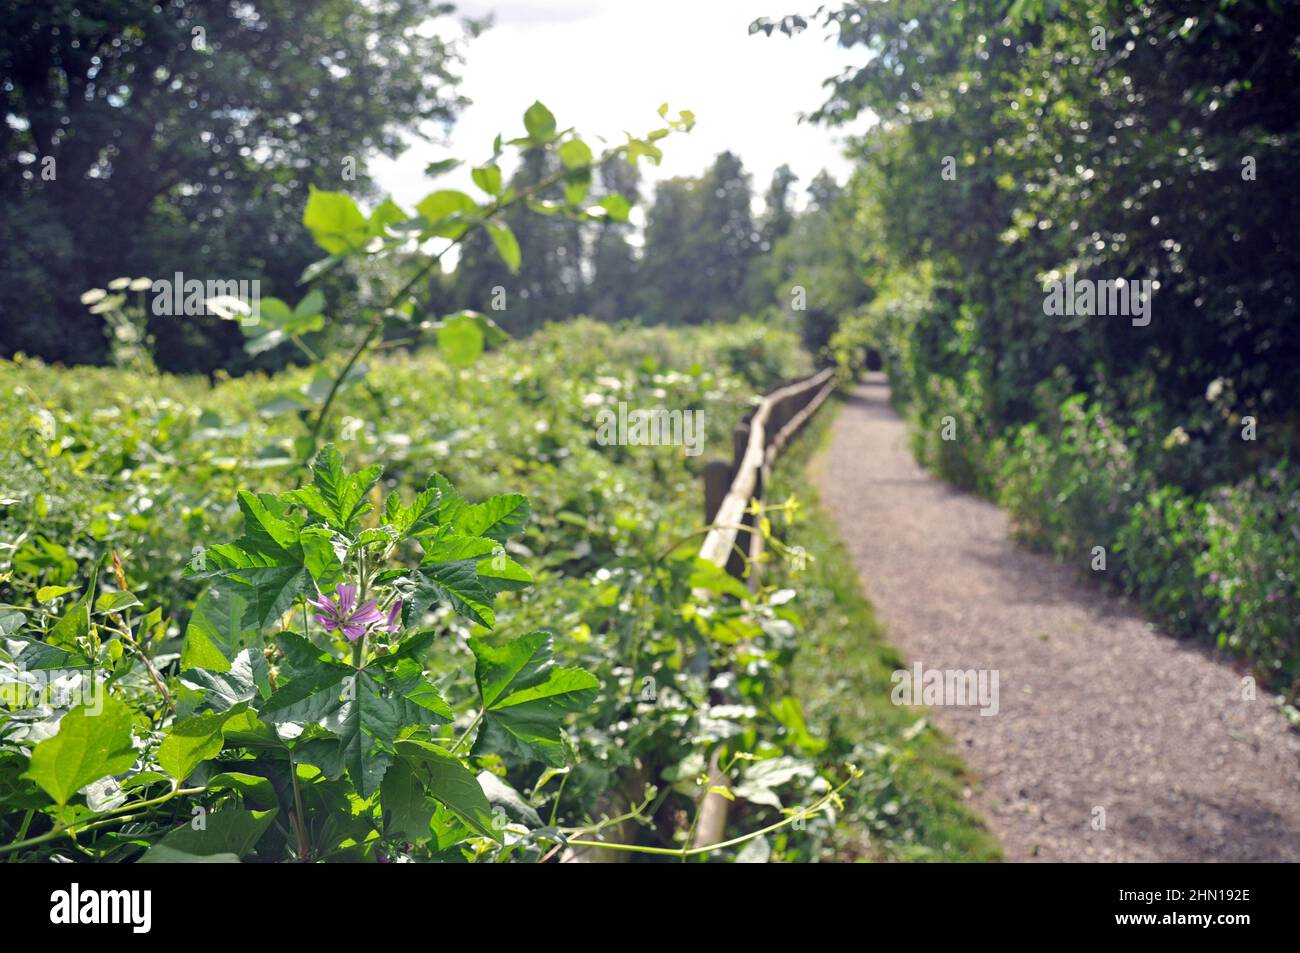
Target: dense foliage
[(1024, 143), (684, 660), (202, 125)]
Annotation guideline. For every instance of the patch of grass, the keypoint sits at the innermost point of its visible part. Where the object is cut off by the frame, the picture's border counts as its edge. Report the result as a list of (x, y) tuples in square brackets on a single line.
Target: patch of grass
[(910, 805)]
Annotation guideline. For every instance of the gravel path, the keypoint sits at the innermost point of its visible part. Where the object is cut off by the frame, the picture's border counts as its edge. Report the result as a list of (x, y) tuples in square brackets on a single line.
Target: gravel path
[(1097, 708)]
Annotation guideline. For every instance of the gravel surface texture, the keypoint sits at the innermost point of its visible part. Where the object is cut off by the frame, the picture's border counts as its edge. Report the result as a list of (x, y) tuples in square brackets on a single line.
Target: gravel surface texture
[(1097, 708)]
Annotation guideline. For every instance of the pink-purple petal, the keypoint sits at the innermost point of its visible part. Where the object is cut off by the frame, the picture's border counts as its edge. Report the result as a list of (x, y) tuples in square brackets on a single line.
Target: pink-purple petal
[(347, 598), (368, 614)]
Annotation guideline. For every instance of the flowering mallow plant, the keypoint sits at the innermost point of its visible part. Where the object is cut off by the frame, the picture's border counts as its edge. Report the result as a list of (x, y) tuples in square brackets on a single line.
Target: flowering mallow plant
[(298, 669), (343, 614)]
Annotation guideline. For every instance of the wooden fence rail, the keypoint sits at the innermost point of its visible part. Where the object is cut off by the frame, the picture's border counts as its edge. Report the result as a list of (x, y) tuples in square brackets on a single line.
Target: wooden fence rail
[(728, 490), (757, 441)]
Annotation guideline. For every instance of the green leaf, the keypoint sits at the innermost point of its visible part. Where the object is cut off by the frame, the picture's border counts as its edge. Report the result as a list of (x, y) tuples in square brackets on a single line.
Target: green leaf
[(335, 222), (408, 810), (616, 207), (337, 497), (49, 593), (11, 621), (228, 832), (500, 573), (575, 153), (455, 583), (576, 186), (447, 211), (460, 341), (498, 517), (540, 123), (216, 631), (487, 178), (245, 679), (506, 244), (109, 602), (525, 696), (268, 584), (760, 779), (258, 792), (440, 166), (89, 745), (312, 303), (386, 213), (638, 148), (366, 711), (191, 742), (318, 268), (321, 558), (75, 624), (449, 781)]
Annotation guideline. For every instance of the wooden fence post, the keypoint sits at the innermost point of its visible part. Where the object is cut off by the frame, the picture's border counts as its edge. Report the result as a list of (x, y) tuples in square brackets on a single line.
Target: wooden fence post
[(717, 481)]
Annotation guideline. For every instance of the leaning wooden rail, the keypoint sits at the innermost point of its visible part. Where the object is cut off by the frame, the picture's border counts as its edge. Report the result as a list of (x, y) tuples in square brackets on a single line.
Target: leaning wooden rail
[(780, 414), (728, 489), (757, 444)]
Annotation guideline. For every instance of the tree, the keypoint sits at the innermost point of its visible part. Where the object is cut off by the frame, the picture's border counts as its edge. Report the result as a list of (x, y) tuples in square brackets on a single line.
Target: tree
[(551, 283), (778, 213), (700, 244), (155, 138), (614, 266)]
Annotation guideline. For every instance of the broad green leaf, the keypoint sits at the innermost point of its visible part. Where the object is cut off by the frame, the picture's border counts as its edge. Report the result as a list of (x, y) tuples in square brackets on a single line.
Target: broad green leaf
[(525, 696), (335, 496), (109, 602), (89, 745), (487, 178), (438, 209), (460, 341), (245, 679), (498, 517), (362, 710), (450, 782), (269, 584), (33, 654), (321, 558), (575, 153), (408, 810), (49, 593), (616, 206), (455, 583), (217, 632), (539, 122), (230, 831), (75, 624), (386, 213), (312, 303), (506, 244), (191, 742), (334, 221), (760, 779), (258, 792), (576, 186), (500, 573), (11, 621)]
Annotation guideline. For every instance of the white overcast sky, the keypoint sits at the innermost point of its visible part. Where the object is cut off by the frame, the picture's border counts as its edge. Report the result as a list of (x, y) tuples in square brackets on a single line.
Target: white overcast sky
[(604, 66)]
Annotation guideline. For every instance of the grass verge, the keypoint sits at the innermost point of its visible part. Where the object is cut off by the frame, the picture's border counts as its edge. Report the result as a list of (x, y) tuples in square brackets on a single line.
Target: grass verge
[(912, 804)]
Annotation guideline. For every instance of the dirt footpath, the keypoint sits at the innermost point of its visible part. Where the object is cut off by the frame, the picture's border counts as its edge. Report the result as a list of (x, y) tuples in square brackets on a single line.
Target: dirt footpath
[(1097, 709)]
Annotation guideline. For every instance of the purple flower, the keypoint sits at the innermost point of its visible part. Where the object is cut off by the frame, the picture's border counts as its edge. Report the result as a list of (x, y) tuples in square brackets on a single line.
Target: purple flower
[(345, 614), (394, 621)]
